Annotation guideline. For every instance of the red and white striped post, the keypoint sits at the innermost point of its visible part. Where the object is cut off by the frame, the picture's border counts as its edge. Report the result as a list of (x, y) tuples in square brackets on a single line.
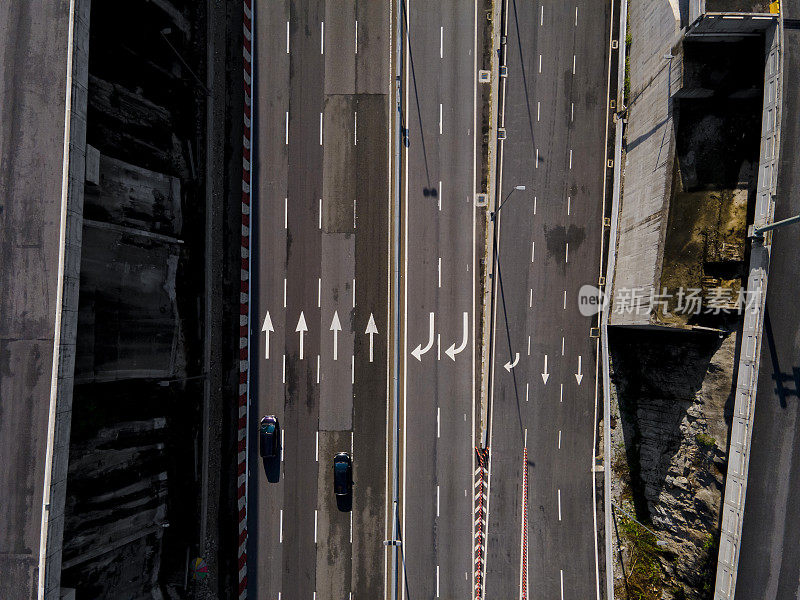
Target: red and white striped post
[(244, 307)]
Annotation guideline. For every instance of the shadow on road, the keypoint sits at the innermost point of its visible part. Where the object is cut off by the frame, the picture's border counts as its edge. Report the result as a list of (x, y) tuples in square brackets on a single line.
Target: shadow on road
[(426, 191), (510, 348)]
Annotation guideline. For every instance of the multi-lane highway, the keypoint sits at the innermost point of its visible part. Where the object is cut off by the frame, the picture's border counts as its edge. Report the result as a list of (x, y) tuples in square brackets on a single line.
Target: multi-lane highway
[(438, 297), (319, 297), (549, 246)]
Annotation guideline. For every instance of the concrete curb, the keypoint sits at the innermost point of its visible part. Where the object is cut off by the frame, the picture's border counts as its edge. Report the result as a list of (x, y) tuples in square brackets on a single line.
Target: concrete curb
[(488, 233), (244, 309)]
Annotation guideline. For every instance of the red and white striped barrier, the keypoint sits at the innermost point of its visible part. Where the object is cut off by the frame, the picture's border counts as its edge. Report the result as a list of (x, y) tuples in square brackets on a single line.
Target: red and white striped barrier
[(479, 522), (244, 307), (524, 553)]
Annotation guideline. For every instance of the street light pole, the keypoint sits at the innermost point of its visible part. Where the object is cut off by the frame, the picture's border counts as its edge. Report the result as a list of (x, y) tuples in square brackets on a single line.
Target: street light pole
[(758, 232), (502, 204)]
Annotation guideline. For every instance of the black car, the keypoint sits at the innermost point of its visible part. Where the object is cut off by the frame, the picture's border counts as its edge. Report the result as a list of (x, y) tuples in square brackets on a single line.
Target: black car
[(269, 437), (342, 474)]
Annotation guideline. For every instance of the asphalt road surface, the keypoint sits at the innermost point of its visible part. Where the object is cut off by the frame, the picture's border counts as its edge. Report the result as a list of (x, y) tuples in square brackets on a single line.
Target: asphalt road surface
[(438, 297), (319, 275), (769, 556), (549, 246)]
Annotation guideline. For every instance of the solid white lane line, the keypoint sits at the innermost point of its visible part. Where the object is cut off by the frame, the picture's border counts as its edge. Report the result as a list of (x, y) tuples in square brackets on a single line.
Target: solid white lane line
[(317, 368), (538, 110), (529, 345), (287, 37), (320, 129), (356, 36), (566, 256), (320, 213), (441, 42), (316, 452), (561, 393), (284, 292), (286, 142), (319, 292), (526, 392), (437, 500), (286, 213), (540, 63), (315, 535), (559, 439), (565, 299), (440, 118), (569, 204), (559, 504), (354, 292), (352, 369), (322, 37), (280, 538), (355, 128), (440, 271)]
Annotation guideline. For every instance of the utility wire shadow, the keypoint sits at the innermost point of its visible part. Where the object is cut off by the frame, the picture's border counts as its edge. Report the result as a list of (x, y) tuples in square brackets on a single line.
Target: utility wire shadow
[(429, 190)]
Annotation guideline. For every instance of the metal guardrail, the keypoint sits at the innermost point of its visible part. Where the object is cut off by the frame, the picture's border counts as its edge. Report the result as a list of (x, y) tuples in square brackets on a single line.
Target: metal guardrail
[(609, 289), (747, 379)]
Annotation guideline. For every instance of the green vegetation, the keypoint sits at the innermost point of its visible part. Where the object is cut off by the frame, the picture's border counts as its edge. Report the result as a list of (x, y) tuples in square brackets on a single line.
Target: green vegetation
[(643, 573), (705, 440), (628, 42)]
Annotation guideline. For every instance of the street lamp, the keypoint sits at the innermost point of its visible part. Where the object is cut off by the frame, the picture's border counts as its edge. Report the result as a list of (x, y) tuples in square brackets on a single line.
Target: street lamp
[(758, 232), (517, 187)]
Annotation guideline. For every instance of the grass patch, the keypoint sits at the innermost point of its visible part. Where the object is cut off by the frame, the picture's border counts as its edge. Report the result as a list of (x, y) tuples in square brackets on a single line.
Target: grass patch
[(643, 573), (705, 440)]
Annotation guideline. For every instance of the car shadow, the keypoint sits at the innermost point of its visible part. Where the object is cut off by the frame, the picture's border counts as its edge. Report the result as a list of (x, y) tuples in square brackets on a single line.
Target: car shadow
[(345, 503), (272, 468)]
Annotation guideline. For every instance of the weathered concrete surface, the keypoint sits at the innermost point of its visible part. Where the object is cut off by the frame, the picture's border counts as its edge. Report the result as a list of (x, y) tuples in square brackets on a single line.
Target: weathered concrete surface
[(649, 152), (672, 396), (37, 330)]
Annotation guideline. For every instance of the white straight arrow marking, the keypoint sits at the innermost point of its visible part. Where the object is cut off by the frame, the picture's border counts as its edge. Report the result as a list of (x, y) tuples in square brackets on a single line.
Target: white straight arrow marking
[(301, 329), (579, 375), (419, 350), (336, 327), (509, 365), (545, 374), (372, 329), (452, 350), (267, 328)]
